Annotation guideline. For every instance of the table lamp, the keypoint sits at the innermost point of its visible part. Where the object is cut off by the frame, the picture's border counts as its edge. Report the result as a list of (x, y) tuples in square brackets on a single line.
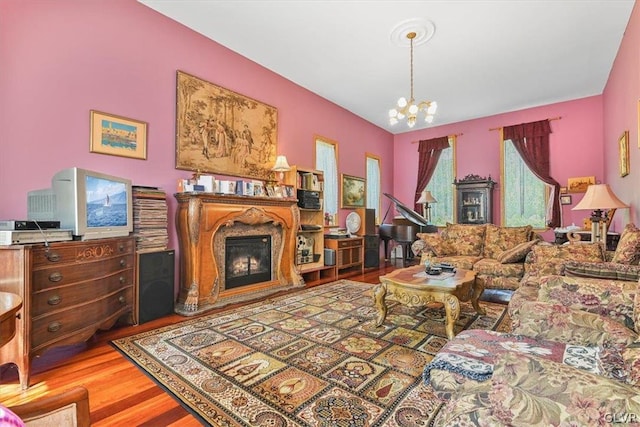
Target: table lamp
[(425, 198), (281, 167), (597, 198)]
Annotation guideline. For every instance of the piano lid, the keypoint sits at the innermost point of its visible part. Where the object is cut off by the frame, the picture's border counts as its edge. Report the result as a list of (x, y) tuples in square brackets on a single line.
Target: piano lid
[(409, 214)]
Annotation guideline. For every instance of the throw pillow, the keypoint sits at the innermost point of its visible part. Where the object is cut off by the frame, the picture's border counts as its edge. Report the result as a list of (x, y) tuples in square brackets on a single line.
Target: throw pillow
[(628, 249), (436, 243), (517, 253), (468, 240), (603, 270), (500, 239)]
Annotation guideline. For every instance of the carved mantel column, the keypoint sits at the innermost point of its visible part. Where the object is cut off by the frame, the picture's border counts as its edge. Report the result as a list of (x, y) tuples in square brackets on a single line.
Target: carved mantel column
[(203, 220)]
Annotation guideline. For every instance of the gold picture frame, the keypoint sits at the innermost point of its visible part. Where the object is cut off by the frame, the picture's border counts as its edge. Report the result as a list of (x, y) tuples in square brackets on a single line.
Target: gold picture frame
[(623, 149), (118, 136), (223, 132), (580, 184), (353, 192)]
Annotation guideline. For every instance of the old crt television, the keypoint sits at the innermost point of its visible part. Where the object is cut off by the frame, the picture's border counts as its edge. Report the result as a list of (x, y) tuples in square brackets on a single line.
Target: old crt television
[(93, 205)]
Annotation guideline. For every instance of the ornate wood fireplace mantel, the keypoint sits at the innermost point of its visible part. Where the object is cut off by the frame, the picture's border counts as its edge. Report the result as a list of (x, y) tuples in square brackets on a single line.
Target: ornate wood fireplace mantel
[(203, 220)]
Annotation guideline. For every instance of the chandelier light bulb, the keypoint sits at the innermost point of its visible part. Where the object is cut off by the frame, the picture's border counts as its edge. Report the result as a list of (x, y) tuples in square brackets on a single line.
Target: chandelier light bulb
[(410, 109)]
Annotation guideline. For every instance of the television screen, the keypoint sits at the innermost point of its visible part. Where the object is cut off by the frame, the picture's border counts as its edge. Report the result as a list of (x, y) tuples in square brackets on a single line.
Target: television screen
[(106, 202)]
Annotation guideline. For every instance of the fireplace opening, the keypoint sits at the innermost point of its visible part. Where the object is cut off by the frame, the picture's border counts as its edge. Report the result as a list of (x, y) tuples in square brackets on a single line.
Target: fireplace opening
[(247, 260)]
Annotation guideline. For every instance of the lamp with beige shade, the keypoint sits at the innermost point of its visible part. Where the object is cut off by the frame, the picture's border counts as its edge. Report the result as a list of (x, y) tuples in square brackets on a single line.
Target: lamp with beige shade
[(600, 197)]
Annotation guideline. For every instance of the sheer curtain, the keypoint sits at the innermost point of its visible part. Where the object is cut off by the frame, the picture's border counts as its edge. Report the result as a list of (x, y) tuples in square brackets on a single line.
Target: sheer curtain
[(429, 152), (326, 161), (373, 185), (531, 140)]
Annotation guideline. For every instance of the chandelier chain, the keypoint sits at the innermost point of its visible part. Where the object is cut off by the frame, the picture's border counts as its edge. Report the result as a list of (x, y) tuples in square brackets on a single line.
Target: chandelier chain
[(411, 63)]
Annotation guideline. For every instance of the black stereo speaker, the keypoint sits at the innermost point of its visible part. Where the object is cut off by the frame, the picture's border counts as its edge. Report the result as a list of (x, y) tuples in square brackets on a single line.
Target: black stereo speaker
[(368, 221), (155, 285), (371, 251)]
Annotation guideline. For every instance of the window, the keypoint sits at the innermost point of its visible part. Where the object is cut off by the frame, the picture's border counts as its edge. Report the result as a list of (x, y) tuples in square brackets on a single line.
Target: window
[(441, 186), (327, 161), (373, 184), (524, 196)]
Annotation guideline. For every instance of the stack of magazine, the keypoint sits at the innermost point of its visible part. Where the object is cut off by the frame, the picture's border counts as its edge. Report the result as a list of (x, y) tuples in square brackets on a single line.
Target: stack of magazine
[(150, 219)]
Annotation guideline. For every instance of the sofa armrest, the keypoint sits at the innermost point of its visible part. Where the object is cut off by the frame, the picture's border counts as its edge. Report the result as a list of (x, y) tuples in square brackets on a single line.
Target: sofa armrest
[(610, 298), (557, 322), (527, 390)]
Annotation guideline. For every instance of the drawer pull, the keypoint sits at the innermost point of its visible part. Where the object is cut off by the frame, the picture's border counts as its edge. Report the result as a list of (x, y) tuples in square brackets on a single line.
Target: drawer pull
[(122, 279), (54, 300), (54, 327), (122, 299), (55, 277), (52, 256), (121, 247), (123, 263)]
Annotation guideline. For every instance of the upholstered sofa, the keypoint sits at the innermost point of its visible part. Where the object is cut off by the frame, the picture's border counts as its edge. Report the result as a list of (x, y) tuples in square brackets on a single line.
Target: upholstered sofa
[(573, 355), (496, 254)]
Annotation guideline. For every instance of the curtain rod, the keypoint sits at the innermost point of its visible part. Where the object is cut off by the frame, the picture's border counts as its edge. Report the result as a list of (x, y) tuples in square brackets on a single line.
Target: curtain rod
[(552, 118), (449, 136)]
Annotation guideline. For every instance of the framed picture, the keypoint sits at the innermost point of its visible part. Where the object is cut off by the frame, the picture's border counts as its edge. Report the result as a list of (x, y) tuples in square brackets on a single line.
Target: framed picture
[(353, 192), (563, 190), (565, 199), (271, 191), (623, 147), (288, 191), (223, 132), (580, 184), (118, 136), (258, 189)]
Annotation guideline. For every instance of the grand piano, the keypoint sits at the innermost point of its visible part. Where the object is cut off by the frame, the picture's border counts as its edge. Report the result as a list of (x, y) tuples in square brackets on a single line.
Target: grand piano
[(403, 229)]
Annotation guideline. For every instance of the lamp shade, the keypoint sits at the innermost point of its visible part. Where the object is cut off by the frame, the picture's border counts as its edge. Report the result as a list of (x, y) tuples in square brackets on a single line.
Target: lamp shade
[(427, 197), (281, 164), (599, 196)]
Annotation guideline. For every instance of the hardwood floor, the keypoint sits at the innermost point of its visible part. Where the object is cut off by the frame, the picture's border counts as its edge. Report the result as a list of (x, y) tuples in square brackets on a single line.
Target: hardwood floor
[(119, 393)]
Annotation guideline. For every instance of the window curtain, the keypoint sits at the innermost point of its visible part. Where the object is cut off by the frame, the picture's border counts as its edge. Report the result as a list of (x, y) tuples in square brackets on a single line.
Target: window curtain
[(531, 140), (428, 154)]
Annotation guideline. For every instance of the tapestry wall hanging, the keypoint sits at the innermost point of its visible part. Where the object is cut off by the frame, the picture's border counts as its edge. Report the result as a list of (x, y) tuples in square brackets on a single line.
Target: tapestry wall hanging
[(223, 132)]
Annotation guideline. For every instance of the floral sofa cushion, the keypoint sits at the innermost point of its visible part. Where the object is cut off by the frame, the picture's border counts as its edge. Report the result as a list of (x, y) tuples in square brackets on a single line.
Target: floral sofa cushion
[(499, 239), (470, 356), (628, 249), (515, 397), (547, 258), (517, 253), (469, 239), (435, 243)]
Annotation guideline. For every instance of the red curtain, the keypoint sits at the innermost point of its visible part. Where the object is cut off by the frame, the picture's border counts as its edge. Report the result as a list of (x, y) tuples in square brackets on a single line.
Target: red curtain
[(531, 140), (429, 152)]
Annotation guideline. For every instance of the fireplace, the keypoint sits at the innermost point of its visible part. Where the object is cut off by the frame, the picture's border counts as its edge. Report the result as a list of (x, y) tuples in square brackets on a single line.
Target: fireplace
[(234, 249), (247, 260)]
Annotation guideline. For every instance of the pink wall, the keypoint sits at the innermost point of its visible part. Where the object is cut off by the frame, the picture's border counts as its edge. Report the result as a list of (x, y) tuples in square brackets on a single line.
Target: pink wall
[(576, 148), (621, 112), (62, 59)]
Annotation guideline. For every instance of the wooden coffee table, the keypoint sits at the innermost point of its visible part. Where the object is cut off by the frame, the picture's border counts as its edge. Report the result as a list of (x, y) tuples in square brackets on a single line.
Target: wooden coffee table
[(418, 291)]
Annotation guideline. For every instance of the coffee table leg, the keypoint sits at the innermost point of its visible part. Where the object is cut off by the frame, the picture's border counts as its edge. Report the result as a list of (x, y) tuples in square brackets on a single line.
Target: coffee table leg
[(478, 289), (379, 292), (452, 312)]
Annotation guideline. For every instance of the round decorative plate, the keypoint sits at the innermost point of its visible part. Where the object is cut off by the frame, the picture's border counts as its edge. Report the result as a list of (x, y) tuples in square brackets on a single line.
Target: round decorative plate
[(353, 222)]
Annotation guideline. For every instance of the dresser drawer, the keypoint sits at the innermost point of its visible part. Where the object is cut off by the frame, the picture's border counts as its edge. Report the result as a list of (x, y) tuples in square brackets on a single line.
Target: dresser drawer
[(53, 277), (48, 329), (81, 252), (64, 297)]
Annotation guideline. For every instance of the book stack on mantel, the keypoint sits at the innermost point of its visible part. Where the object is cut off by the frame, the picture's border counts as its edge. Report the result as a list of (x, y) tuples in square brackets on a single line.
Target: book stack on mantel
[(150, 219)]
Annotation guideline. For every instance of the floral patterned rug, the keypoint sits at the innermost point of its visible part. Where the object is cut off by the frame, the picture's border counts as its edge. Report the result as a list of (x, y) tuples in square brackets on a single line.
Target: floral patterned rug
[(311, 358)]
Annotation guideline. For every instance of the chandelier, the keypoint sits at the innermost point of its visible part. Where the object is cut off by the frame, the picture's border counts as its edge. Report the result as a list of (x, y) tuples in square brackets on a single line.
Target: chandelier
[(410, 109)]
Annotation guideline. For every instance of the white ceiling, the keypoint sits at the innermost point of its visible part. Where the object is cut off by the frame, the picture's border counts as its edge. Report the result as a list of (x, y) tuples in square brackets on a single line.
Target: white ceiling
[(486, 56)]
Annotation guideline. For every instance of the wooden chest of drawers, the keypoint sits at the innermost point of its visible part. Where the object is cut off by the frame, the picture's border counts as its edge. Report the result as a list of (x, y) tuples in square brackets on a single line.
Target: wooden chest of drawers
[(69, 290)]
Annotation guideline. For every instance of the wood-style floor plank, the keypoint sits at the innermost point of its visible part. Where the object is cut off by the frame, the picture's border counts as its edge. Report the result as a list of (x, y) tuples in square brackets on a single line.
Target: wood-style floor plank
[(119, 393)]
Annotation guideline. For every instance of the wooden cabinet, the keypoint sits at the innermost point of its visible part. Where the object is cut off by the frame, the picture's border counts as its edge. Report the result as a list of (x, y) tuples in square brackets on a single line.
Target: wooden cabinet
[(349, 255), (309, 186), (474, 199), (69, 290)]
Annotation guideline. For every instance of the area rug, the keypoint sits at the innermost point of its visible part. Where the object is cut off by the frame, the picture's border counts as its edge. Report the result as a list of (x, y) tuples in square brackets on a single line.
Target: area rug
[(312, 358)]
